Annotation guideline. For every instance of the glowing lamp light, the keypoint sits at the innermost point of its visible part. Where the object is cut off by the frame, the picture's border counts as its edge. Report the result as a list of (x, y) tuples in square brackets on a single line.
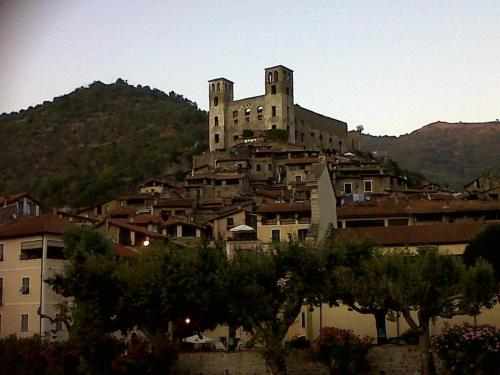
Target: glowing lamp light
[(146, 243), (187, 320)]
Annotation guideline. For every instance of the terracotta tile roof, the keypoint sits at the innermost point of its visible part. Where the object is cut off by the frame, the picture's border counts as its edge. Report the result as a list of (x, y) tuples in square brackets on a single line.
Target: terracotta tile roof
[(404, 207), (173, 220), (213, 176), (226, 213), (122, 212), (124, 251), (134, 228), (284, 207), (294, 161), (167, 203), (146, 219), (415, 235), (156, 181), (136, 196), (27, 226), (7, 199)]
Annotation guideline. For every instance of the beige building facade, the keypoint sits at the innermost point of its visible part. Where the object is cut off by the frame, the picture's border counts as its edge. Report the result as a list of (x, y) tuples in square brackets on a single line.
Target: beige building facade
[(31, 250)]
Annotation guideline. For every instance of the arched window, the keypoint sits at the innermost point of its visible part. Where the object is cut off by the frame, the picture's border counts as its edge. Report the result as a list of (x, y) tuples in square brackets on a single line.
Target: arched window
[(260, 109), (216, 138), (247, 112), (270, 77), (216, 101), (273, 127), (213, 86), (235, 114), (288, 76), (218, 87), (276, 76), (216, 121)]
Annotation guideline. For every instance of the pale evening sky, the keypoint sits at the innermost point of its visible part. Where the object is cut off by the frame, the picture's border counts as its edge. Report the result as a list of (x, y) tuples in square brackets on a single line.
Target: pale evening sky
[(392, 66)]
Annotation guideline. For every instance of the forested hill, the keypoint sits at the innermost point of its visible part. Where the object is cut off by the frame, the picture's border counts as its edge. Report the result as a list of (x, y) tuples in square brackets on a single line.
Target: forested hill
[(98, 141), (445, 152)]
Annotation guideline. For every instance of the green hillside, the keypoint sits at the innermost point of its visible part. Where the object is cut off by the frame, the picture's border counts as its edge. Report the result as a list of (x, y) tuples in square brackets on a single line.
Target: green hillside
[(98, 141), (452, 153)]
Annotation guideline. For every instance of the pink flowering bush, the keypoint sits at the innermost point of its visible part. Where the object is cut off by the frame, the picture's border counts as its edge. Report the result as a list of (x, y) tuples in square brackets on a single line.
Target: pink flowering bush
[(341, 351), (469, 350)]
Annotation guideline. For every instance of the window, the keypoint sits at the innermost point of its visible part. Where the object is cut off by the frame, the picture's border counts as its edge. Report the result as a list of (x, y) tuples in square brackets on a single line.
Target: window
[(1, 252), (275, 76), (216, 137), (260, 109), (273, 127), (302, 137), (312, 135), (25, 288), (368, 186), (288, 76), (59, 323), (216, 101), (270, 167), (273, 89), (303, 319), (247, 119), (218, 87), (31, 250), (235, 121), (247, 112), (298, 178), (257, 167), (213, 86), (273, 110), (235, 137), (1, 291), (302, 234), (229, 222), (269, 77), (347, 188), (259, 117), (24, 322), (287, 91), (216, 120), (275, 235)]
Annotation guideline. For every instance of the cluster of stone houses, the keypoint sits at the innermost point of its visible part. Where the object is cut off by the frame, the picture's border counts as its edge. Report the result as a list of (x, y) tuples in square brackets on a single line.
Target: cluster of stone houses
[(248, 190)]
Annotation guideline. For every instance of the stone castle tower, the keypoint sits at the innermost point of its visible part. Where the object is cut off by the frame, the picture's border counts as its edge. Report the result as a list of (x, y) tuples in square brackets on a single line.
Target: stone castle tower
[(273, 110)]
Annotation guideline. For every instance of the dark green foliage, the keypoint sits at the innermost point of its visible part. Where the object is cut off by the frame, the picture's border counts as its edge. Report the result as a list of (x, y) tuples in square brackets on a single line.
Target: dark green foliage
[(97, 142), (413, 179), (452, 153), (247, 133), (277, 134), (469, 350), (485, 245), (341, 351)]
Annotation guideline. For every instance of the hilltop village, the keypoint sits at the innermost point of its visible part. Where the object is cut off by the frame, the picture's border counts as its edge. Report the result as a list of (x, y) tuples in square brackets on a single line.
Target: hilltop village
[(274, 171)]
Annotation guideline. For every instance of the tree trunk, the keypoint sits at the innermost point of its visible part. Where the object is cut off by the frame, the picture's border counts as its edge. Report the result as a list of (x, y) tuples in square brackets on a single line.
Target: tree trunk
[(427, 360), (381, 326)]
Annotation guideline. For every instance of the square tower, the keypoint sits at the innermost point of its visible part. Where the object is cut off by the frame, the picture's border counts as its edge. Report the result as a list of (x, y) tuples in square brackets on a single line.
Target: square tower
[(221, 96), (279, 100)]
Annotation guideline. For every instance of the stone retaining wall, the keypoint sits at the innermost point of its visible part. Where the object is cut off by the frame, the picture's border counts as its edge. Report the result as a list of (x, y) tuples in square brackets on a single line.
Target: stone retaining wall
[(386, 360)]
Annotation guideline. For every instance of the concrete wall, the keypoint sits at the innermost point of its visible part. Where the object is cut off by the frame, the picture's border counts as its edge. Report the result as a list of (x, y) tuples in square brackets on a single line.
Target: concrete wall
[(386, 360)]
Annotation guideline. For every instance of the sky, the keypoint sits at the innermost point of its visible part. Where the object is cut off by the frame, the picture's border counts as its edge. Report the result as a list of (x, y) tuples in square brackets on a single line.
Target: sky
[(390, 66)]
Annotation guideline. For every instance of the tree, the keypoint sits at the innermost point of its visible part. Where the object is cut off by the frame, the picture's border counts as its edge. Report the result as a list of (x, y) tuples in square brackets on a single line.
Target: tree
[(89, 279), (268, 289), (436, 285), (356, 278), (485, 245), (170, 283)]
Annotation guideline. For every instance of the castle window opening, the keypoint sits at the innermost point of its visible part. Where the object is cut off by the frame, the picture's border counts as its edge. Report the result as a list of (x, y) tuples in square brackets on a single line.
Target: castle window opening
[(235, 137), (218, 87), (213, 87), (302, 137), (216, 138), (287, 91), (260, 109), (216, 120), (288, 76), (235, 114), (288, 111), (270, 167), (270, 77), (257, 167), (247, 119), (275, 76), (273, 127), (321, 137), (235, 121), (216, 101), (273, 89), (247, 112), (330, 140), (273, 110), (259, 117), (312, 135)]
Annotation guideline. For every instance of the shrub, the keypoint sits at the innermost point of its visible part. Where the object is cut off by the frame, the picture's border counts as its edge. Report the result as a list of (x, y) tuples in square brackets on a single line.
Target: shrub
[(469, 350), (277, 134), (247, 133), (341, 351)]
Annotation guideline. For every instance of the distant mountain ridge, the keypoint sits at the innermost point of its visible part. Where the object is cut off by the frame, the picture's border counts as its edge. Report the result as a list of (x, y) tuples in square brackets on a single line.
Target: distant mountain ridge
[(97, 142), (452, 153)]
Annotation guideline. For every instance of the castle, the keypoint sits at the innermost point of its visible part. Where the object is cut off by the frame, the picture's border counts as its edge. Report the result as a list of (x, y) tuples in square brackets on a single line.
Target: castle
[(233, 122)]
